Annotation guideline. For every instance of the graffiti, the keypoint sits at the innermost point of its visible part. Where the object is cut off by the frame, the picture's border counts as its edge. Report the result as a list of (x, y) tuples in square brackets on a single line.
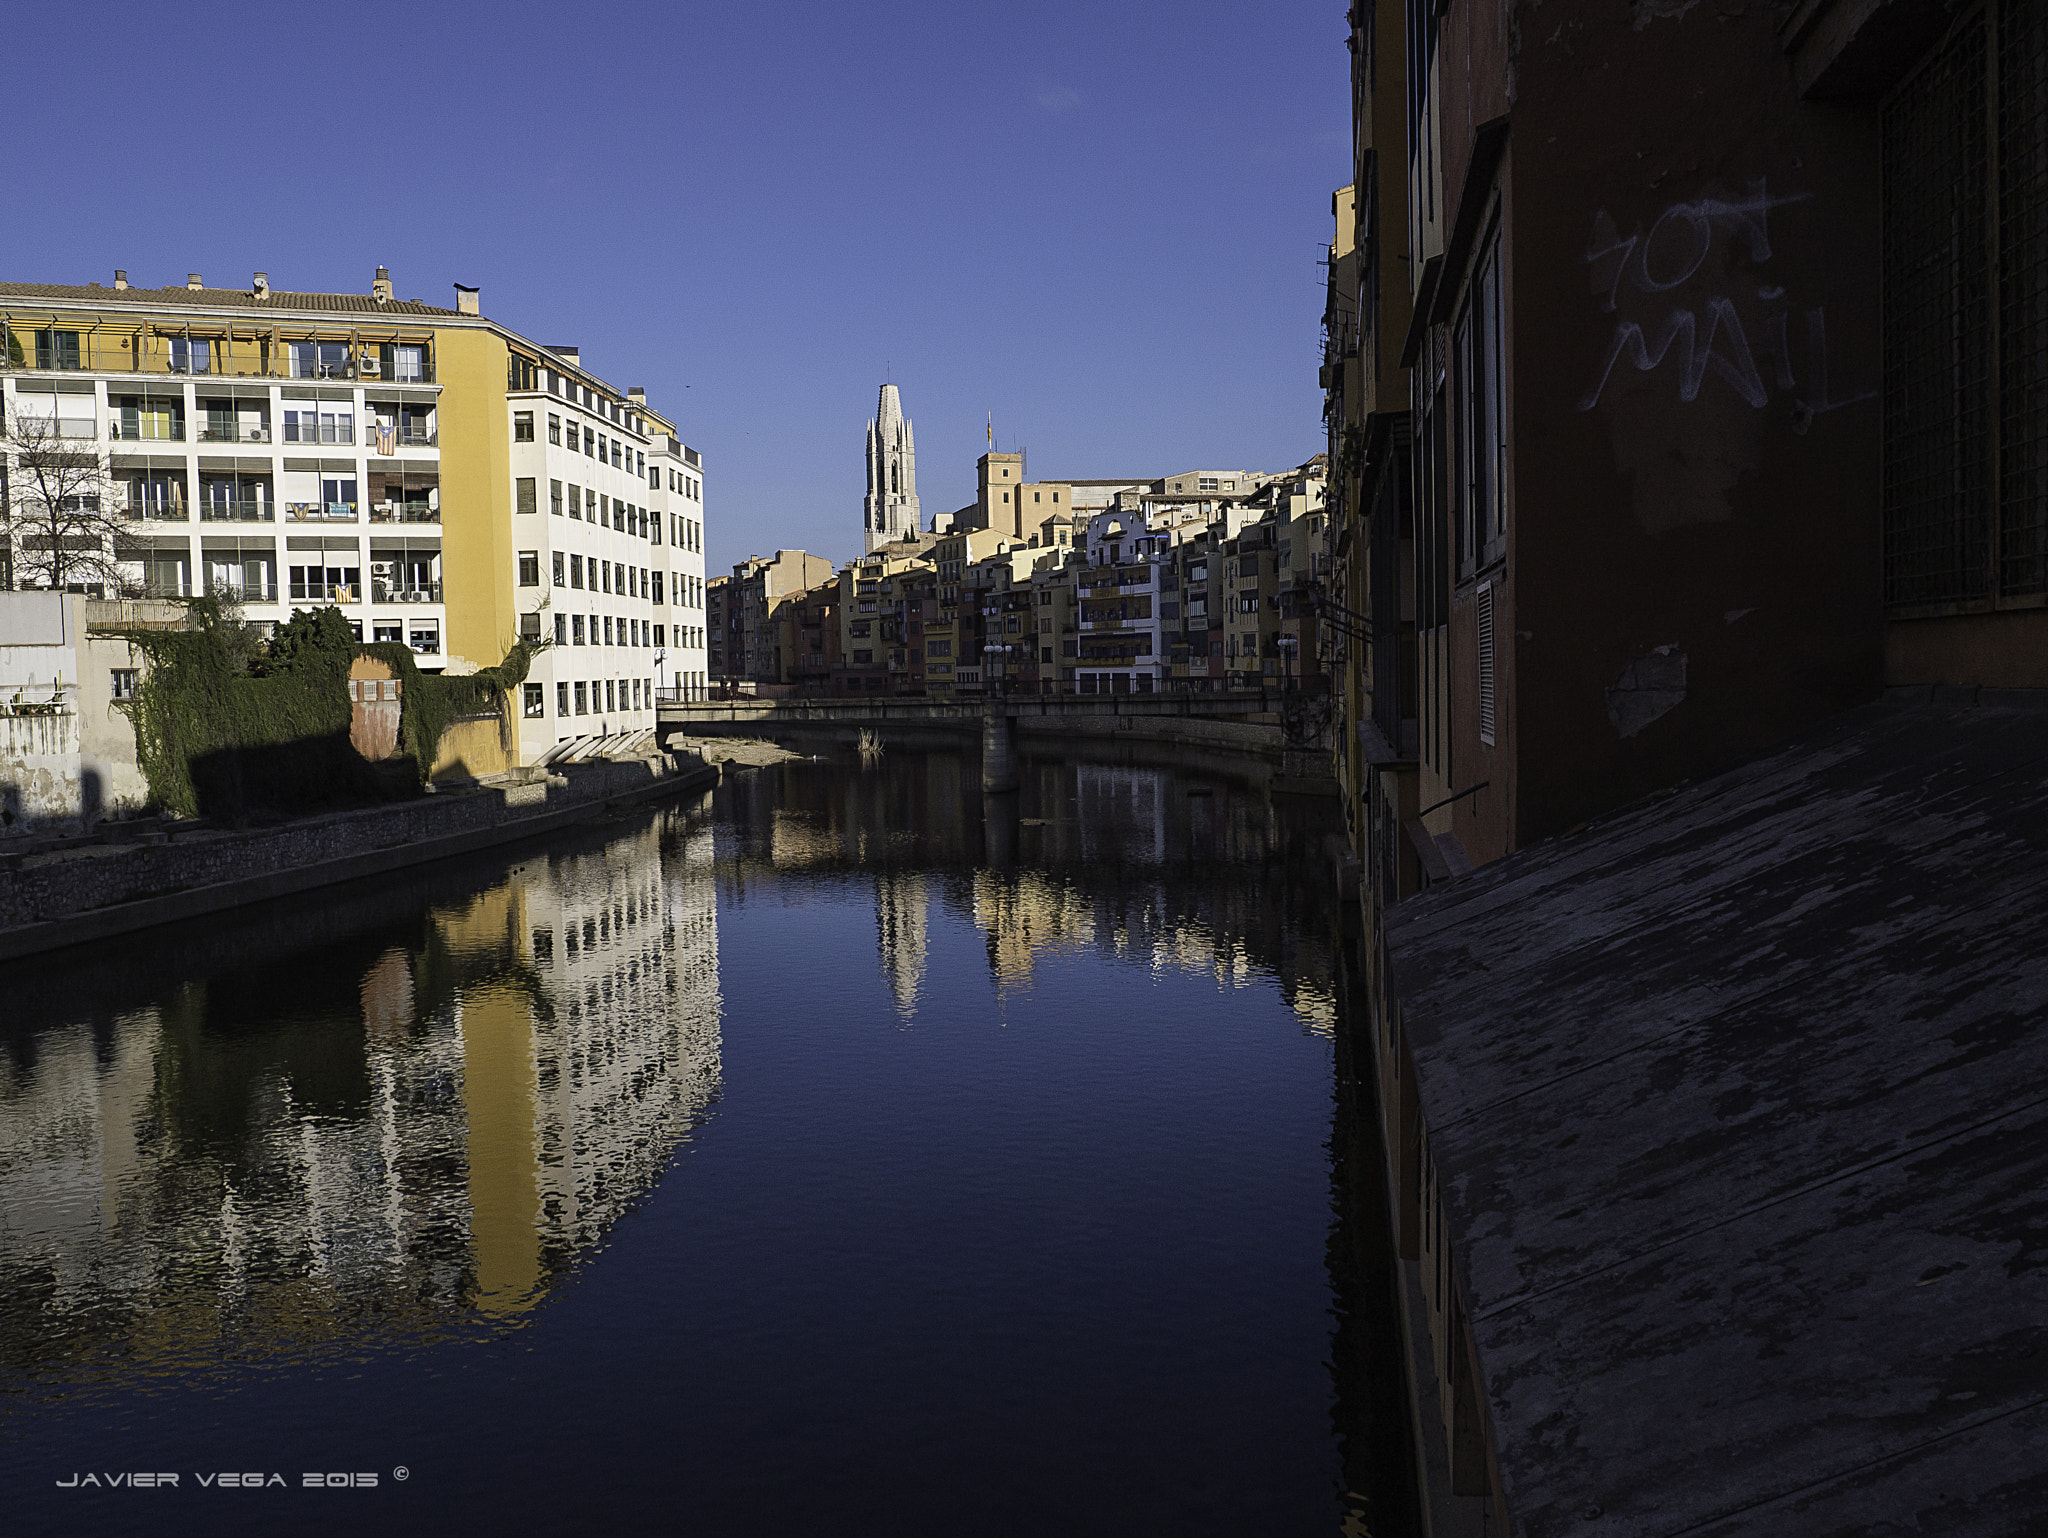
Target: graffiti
[(1709, 338)]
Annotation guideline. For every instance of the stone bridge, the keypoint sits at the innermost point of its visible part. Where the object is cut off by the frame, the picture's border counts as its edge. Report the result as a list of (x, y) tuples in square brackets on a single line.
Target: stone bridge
[(1276, 736)]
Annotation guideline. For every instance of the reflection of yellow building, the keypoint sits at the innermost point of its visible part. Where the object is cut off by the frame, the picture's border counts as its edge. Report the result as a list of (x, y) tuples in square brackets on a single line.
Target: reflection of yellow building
[(1026, 916), (442, 1134)]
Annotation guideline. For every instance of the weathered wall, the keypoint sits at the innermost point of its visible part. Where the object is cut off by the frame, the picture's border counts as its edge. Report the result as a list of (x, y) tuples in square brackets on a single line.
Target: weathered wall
[(1694, 365), (473, 746), (39, 769)]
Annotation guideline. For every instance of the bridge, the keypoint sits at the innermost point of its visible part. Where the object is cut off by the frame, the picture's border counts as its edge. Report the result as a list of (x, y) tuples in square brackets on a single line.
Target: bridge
[(1282, 736)]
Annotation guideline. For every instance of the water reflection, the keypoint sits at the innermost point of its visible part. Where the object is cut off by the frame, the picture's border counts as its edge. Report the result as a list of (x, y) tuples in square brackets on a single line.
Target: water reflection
[(422, 1130), (1142, 863)]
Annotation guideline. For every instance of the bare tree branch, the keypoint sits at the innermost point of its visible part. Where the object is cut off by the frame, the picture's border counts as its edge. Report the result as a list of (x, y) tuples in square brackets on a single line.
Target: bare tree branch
[(59, 510)]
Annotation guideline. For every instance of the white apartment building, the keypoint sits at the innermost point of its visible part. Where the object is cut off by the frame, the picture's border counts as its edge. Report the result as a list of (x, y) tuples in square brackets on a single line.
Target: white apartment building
[(320, 484), (608, 536)]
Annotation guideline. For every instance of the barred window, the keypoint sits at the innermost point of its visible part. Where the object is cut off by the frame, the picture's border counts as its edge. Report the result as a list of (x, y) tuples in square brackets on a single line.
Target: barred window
[(1965, 156)]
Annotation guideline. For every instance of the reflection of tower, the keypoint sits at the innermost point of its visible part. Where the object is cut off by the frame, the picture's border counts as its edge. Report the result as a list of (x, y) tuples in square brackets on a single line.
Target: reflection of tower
[(890, 511), (900, 933)]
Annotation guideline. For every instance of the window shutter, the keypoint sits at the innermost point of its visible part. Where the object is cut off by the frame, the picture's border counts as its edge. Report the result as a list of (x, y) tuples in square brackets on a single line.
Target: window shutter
[(1486, 703)]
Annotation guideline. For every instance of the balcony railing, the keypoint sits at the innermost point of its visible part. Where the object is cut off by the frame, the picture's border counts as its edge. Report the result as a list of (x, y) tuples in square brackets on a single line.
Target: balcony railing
[(403, 512), (402, 437), (237, 512), (145, 432), (221, 432), (320, 512), (398, 592), (330, 592), (158, 512), (306, 432)]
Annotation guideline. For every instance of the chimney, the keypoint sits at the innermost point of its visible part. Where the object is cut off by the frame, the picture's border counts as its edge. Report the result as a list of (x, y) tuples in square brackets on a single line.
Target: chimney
[(638, 396), (262, 285), (465, 300), (381, 289), (120, 277), (193, 280)]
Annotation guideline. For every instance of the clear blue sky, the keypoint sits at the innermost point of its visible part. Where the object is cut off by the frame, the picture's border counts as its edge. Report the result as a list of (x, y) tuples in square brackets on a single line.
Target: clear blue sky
[(1099, 221)]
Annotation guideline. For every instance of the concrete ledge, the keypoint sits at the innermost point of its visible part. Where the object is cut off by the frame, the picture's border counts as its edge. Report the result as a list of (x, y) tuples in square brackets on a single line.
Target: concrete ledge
[(171, 900)]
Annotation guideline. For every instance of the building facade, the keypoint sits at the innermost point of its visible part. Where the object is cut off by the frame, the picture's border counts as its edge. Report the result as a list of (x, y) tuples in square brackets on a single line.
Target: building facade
[(446, 483)]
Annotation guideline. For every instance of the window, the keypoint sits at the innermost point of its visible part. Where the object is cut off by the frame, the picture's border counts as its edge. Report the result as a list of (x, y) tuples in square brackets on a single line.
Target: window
[(1963, 145), (654, 579), (554, 429), (391, 634), (323, 360), (575, 630), (407, 365), (522, 374), (611, 698), (528, 499), (864, 656), (604, 572), (56, 349), (424, 636), (576, 571), (660, 635), (536, 700), (561, 569), (1481, 513), (529, 568), (561, 696), (576, 502), (561, 630), (582, 700), (191, 357), (607, 631), (555, 498), (122, 682), (522, 427), (575, 433), (529, 626)]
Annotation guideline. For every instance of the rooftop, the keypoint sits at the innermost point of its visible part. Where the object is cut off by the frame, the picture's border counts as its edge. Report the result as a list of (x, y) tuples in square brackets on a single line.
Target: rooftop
[(181, 297), (1737, 1104)]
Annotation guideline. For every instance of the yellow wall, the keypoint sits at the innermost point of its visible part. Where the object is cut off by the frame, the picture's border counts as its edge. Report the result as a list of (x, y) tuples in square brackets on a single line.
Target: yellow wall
[(476, 747), (476, 496), (504, 1194)]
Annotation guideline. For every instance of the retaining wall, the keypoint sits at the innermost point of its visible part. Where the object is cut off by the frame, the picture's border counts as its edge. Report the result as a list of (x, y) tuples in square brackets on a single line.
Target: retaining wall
[(81, 895)]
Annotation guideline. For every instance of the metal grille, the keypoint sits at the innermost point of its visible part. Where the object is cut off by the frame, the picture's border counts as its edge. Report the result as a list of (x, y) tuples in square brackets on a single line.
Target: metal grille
[(1486, 663), (2023, 298), (1937, 353)]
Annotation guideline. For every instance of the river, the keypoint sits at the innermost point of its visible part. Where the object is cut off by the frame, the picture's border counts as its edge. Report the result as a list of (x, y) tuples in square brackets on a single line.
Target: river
[(836, 1152)]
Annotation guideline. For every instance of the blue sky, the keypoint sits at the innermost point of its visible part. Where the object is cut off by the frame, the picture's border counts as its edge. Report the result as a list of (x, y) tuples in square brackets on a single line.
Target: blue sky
[(1100, 222)]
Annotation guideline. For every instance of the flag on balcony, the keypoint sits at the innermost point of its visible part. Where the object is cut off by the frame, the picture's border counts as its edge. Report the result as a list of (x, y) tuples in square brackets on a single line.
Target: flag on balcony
[(387, 438)]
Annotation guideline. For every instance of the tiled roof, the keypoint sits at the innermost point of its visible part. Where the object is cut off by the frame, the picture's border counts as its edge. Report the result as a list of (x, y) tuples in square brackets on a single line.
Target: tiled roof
[(217, 298)]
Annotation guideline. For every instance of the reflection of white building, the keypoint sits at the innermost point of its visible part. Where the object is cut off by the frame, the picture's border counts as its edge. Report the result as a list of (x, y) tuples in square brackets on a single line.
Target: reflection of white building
[(901, 908), (1126, 805), (478, 1115)]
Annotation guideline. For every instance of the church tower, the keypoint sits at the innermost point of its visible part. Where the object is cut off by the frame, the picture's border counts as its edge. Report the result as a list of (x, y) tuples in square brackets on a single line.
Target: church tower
[(891, 508)]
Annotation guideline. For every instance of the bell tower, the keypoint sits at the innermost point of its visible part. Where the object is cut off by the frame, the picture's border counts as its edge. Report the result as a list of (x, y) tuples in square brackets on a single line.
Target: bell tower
[(890, 511)]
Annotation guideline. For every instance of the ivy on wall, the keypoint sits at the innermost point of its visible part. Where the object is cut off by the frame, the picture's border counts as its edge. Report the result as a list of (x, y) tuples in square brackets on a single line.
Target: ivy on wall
[(226, 723)]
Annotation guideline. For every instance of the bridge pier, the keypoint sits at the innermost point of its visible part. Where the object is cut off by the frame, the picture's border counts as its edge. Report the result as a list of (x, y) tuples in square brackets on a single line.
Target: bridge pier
[(998, 748)]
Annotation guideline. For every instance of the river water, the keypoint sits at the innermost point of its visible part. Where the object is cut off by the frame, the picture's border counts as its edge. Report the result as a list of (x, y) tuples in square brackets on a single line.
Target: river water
[(837, 1152)]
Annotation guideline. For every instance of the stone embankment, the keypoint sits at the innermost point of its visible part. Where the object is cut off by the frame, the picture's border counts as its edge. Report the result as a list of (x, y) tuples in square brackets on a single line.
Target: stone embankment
[(90, 891)]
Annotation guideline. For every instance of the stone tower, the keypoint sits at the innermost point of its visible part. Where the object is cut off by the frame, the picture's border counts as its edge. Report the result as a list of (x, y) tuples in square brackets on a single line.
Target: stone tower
[(890, 511)]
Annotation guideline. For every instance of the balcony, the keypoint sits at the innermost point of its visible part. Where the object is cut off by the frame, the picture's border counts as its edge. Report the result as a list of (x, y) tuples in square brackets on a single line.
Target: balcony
[(388, 439), (237, 512), (145, 431), (157, 512), (320, 512), (325, 592), (394, 592), (403, 512), (325, 432), (227, 432)]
